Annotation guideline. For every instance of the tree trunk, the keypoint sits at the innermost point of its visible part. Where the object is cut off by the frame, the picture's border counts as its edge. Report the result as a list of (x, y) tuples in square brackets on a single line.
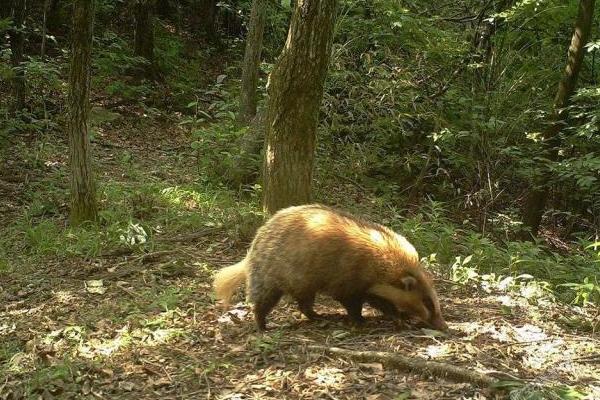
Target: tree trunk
[(537, 197), (248, 97), (83, 190), (204, 16), (5, 9), (144, 33), (44, 29), (295, 91), (17, 43), (165, 9), (54, 17), (243, 169)]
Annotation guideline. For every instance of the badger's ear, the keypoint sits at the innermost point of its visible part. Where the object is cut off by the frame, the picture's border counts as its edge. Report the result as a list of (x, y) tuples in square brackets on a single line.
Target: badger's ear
[(408, 283)]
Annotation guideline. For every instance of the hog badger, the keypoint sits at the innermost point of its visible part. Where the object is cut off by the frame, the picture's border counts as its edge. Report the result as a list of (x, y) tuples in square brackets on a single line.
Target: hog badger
[(310, 249)]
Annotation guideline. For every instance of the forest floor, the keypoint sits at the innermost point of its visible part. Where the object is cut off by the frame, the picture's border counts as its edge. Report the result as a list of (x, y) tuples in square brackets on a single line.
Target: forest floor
[(141, 322)]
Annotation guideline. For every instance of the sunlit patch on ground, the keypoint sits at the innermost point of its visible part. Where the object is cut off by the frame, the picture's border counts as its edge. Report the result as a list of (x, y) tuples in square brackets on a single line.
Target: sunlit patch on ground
[(325, 376)]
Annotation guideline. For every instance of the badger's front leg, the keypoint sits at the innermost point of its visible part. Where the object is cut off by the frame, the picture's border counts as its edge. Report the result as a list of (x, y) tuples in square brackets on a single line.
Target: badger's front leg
[(353, 305)]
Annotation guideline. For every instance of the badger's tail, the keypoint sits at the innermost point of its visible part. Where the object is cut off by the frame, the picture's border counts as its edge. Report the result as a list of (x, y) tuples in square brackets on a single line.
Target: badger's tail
[(228, 279)]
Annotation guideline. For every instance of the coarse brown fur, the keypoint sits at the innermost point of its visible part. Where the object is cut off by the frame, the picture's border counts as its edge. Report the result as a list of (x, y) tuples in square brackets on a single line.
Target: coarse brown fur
[(305, 250)]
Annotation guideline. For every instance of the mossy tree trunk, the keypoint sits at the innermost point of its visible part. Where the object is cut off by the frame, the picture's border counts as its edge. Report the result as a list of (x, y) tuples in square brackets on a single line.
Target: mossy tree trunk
[(536, 200), (83, 189), (17, 44), (144, 33), (248, 95), (295, 91)]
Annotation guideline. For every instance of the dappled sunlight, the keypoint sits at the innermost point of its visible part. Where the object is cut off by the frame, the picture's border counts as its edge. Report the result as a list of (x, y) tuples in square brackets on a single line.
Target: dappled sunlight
[(127, 338), (544, 355), (326, 376), (317, 221), (438, 351), (95, 348), (21, 363), (376, 237), (65, 296), (186, 199)]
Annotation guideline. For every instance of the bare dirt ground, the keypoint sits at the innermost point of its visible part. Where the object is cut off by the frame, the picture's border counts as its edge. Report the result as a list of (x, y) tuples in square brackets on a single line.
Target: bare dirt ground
[(151, 328)]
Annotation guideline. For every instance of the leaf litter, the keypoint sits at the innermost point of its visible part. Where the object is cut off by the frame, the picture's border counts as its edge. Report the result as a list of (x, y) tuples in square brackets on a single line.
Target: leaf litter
[(146, 326)]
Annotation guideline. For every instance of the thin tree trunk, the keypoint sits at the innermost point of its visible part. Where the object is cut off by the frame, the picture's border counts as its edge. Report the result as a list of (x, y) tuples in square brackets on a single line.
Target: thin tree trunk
[(53, 19), (17, 43), (248, 96), (83, 189), (44, 29), (535, 204), (295, 91), (144, 33), (204, 16)]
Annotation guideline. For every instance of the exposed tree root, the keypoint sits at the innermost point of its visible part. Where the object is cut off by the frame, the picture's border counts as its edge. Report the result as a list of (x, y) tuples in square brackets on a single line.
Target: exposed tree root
[(420, 366)]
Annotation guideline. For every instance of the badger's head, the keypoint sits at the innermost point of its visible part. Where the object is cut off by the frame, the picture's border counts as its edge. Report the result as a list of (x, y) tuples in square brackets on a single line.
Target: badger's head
[(412, 291)]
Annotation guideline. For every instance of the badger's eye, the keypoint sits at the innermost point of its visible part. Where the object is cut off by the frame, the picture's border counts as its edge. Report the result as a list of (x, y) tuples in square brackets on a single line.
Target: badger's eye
[(408, 283)]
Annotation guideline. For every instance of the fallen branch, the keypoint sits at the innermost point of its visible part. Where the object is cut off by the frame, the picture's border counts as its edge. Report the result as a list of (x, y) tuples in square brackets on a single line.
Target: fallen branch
[(134, 265), (416, 365)]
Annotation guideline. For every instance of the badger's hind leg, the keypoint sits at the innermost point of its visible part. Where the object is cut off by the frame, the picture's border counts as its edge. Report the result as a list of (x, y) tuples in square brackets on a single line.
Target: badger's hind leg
[(263, 304)]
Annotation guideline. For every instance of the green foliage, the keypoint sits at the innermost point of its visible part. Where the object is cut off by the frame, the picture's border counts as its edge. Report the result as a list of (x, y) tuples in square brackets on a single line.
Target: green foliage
[(538, 392), (212, 146), (168, 50), (45, 94), (5, 24), (114, 63), (530, 269)]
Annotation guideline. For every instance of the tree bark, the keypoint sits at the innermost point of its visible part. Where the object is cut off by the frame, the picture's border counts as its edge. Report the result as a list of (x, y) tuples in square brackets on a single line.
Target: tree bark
[(5, 8), (165, 9), (44, 29), (295, 90), (83, 189), (17, 43), (536, 200), (248, 95), (144, 33), (204, 16), (54, 18), (243, 169)]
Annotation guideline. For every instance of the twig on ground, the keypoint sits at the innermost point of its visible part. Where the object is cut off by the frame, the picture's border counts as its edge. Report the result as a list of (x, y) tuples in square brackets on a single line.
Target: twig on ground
[(129, 292), (508, 344), (423, 367), (134, 265)]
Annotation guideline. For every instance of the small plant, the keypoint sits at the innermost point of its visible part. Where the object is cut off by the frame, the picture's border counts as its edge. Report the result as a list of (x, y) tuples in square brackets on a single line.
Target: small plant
[(134, 234), (586, 292), (268, 344), (213, 148)]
